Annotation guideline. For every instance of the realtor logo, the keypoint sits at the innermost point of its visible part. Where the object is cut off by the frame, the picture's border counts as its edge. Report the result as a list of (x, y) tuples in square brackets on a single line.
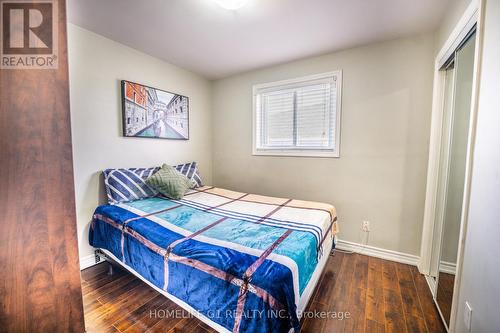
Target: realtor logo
[(29, 34)]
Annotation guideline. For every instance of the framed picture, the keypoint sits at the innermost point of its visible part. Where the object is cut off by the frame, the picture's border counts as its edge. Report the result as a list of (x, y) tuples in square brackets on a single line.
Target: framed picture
[(153, 113)]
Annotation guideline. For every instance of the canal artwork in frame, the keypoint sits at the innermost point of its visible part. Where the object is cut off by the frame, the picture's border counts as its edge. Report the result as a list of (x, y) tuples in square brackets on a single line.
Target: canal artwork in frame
[(153, 113)]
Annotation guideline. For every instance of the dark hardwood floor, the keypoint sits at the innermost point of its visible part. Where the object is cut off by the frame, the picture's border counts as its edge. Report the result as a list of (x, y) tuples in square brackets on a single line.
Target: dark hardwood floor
[(374, 295)]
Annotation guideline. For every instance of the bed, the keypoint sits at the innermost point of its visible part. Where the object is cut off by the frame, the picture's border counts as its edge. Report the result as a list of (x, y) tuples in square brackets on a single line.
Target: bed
[(239, 262)]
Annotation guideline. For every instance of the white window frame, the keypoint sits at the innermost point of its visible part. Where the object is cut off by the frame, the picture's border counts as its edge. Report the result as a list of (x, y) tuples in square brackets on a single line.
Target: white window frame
[(309, 152)]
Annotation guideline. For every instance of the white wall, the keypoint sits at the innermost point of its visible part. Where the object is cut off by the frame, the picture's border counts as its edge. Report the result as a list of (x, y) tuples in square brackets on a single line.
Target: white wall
[(96, 66), (481, 269), (381, 173)]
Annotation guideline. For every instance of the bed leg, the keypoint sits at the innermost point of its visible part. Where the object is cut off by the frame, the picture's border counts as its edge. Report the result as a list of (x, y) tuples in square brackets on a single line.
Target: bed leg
[(110, 269)]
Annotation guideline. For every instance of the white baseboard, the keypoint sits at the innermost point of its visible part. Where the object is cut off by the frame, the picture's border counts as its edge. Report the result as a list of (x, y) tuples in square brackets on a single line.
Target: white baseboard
[(447, 267), (377, 252), (90, 260)]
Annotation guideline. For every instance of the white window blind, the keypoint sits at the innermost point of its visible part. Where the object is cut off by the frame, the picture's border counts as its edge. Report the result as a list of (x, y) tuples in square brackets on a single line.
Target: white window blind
[(299, 117)]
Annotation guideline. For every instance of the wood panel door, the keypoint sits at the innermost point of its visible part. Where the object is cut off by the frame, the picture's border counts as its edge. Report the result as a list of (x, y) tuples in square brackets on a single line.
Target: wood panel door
[(39, 270)]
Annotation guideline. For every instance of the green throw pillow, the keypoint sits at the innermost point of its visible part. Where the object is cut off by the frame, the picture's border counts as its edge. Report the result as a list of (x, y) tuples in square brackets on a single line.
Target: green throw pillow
[(170, 182)]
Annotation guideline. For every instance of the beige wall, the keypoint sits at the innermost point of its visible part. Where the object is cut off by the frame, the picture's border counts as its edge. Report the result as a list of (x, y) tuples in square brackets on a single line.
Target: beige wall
[(381, 173), (96, 66)]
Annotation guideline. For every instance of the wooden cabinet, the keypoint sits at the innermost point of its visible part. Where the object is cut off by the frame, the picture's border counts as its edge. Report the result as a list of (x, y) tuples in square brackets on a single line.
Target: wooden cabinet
[(39, 271)]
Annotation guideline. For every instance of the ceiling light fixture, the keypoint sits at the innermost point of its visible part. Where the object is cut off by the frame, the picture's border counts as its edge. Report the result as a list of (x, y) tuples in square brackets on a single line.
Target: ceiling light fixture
[(231, 4)]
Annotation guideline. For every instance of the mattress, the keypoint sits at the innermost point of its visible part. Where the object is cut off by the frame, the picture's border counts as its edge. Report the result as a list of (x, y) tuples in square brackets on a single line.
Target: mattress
[(240, 262)]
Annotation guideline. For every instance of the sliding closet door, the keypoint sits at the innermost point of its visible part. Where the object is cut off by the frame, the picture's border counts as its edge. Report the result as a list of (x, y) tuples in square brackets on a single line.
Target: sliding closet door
[(444, 162), (454, 177), (39, 270)]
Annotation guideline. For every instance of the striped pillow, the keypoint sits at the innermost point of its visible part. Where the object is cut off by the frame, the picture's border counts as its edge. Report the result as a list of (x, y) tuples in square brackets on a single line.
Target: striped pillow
[(124, 185), (191, 171)]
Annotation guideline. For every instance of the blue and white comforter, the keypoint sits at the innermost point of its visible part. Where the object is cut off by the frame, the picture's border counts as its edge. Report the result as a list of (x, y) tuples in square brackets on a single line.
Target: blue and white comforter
[(241, 260)]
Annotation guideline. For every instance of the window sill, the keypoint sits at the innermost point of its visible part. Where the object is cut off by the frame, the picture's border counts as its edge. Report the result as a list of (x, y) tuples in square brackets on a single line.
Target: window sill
[(297, 153)]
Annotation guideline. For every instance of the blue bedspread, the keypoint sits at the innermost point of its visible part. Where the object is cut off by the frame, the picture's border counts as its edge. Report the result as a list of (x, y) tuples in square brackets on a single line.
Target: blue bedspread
[(239, 272)]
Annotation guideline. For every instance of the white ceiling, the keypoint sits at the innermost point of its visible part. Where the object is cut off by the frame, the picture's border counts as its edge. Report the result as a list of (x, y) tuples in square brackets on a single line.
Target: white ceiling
[(202, 37)]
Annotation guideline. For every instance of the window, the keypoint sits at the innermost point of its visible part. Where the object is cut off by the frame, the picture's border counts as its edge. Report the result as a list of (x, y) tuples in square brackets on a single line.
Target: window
[(299, 117)]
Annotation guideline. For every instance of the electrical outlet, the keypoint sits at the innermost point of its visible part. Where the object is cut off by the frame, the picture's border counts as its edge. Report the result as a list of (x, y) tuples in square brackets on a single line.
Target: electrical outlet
[(365, 226), (467, 315)]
